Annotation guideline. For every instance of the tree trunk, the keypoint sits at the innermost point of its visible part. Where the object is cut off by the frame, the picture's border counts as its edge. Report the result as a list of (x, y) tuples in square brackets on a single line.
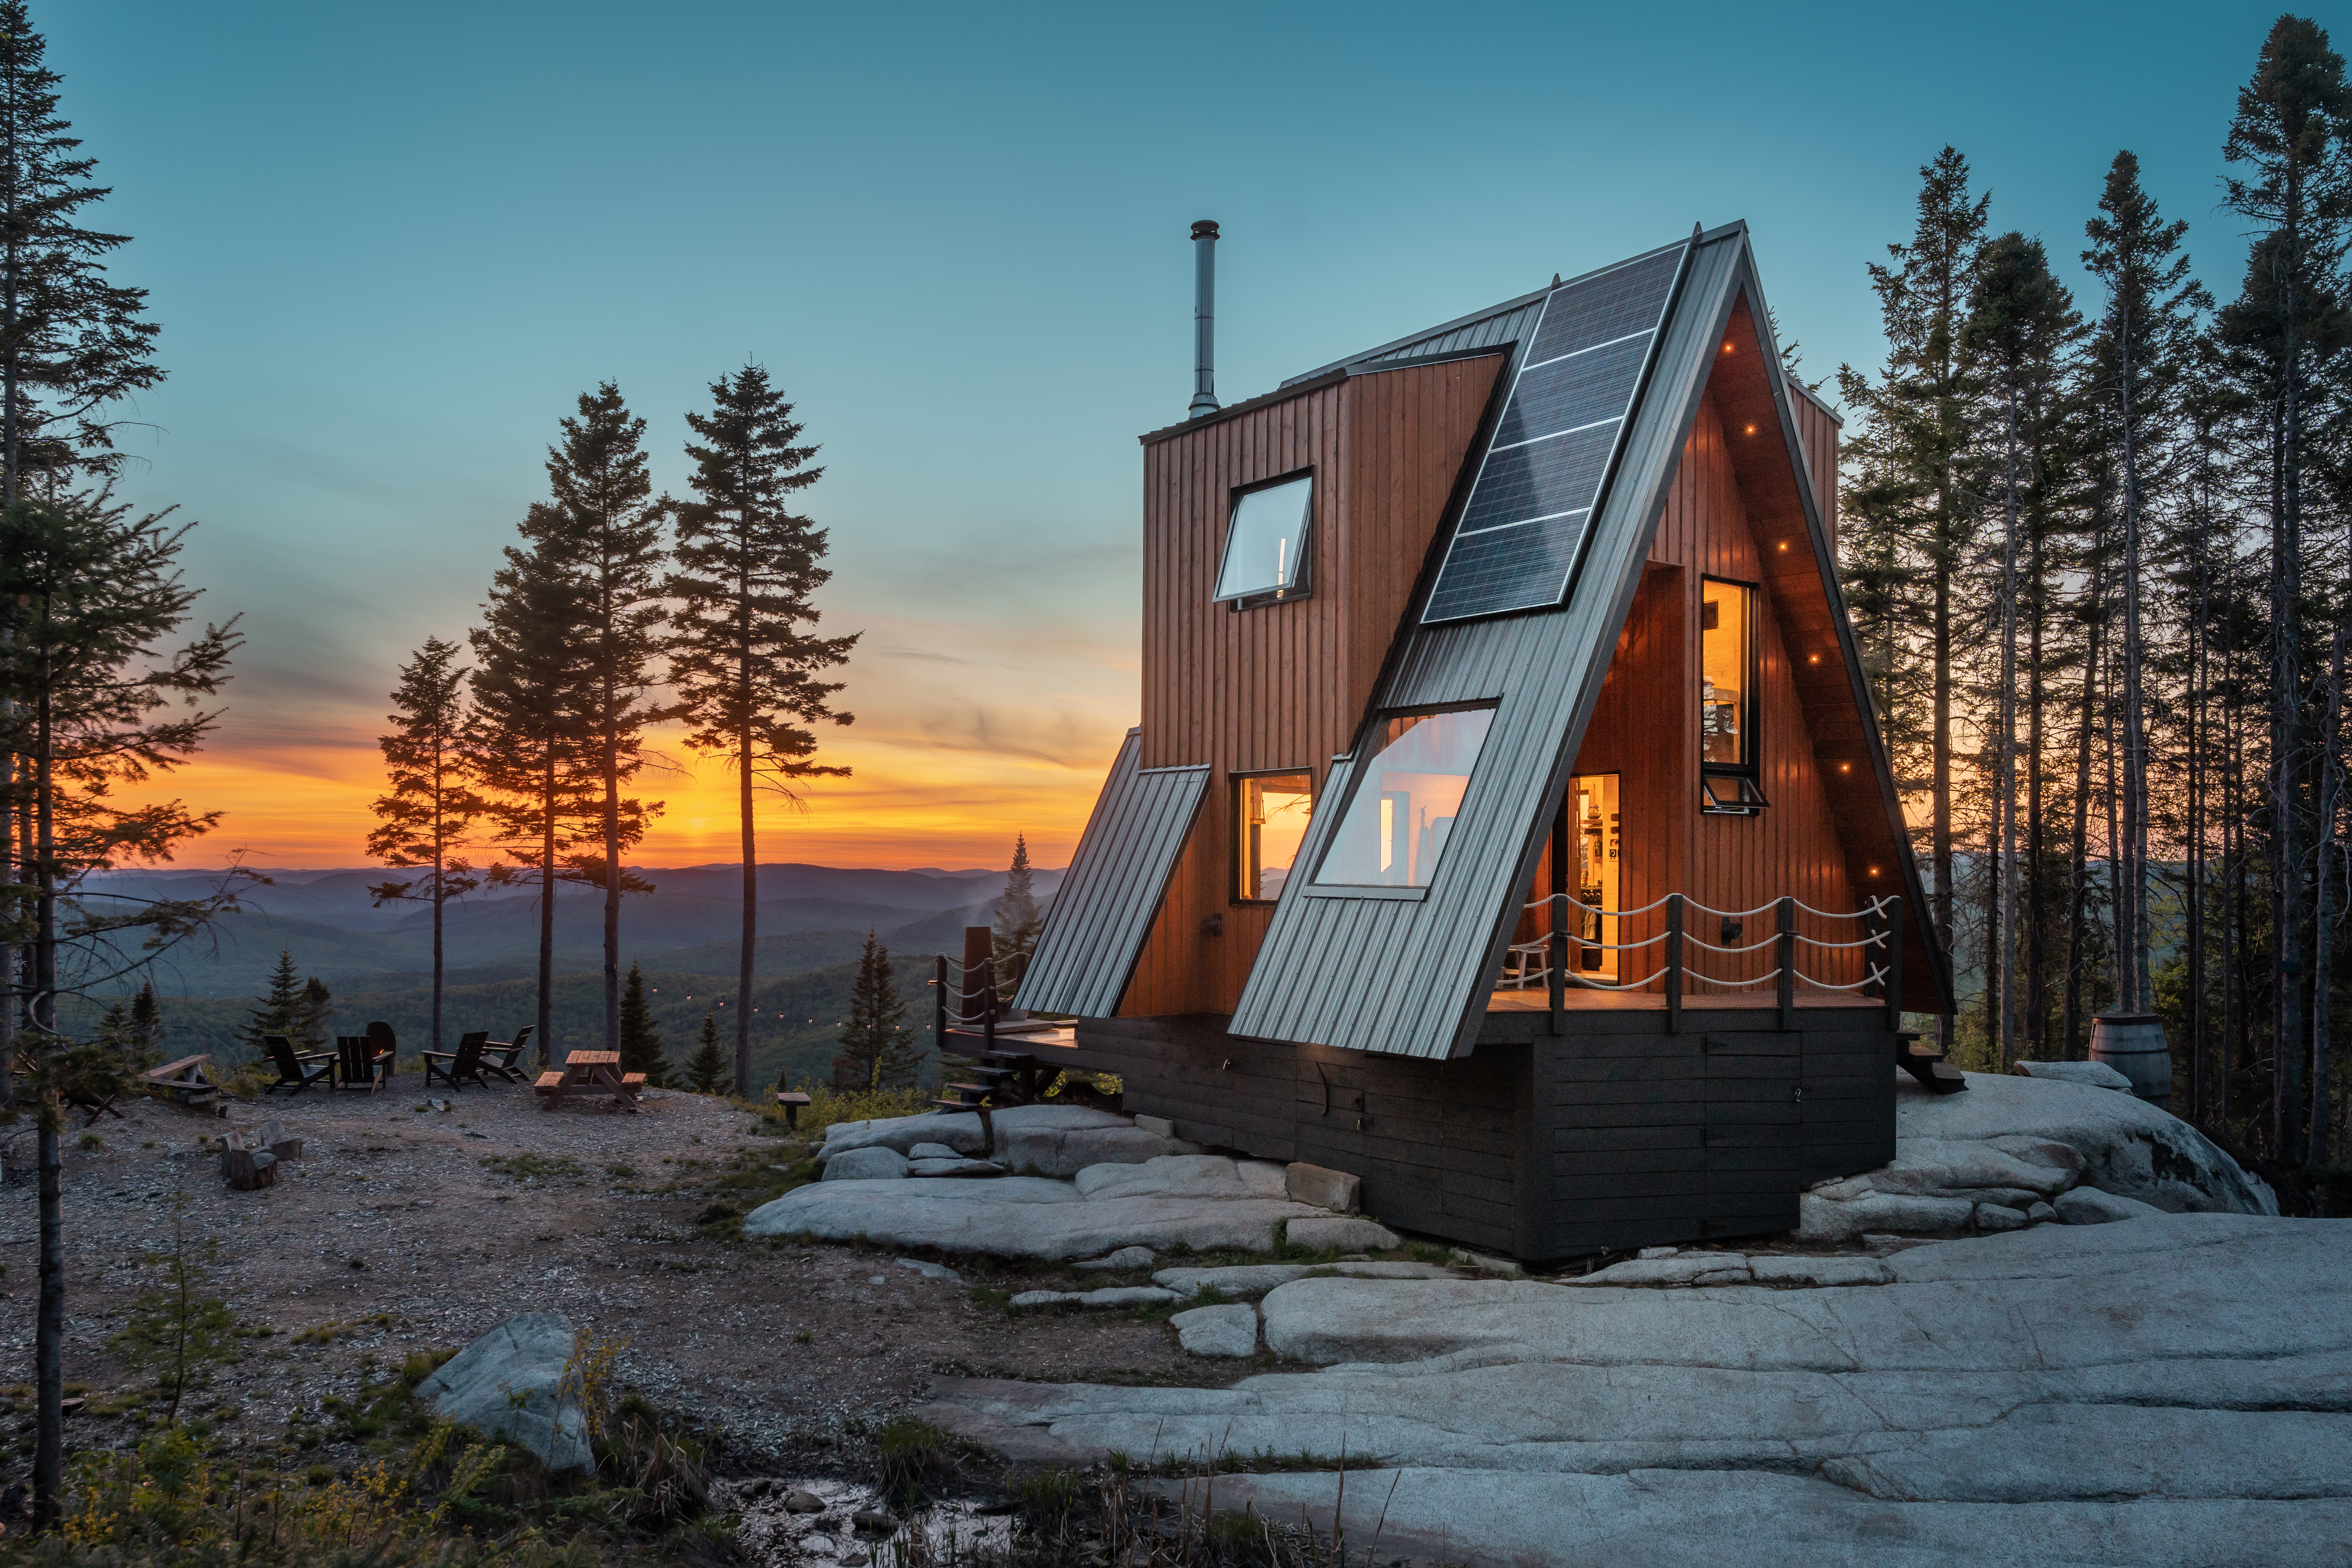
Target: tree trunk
[(50, 1333), (2286, 741), (1940, 838), (611, 875), (2005, 758), (2136, 996), (2037, 847), (2079, 858), (544, 1020), (2331, 791)]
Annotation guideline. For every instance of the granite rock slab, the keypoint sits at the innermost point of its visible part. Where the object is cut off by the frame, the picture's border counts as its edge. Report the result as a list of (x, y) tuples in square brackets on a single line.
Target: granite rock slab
[(509, 1384)]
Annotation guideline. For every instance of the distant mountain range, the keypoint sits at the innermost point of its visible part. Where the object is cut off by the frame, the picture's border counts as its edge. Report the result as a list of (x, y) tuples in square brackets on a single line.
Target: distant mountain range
[(809, 917)]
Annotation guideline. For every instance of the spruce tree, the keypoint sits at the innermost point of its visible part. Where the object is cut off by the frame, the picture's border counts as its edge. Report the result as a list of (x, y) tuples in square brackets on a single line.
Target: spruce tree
[(432, 804), (1018, 921), (2019, 321), (314, 1015), (146, 1027), (279, 1010), (1918, 522), (605, 527), (708, 1071), (2290, 136), (744, 652), (641, 1041), (875, 1031), (72, 343)]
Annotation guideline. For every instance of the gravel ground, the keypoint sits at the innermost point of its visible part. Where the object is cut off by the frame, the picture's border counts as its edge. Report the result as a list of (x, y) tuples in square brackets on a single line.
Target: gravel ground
[(406, 1228)]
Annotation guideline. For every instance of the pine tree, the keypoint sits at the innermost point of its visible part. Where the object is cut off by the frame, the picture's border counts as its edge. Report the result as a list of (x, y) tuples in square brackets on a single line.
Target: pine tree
[(71, 342), (314, 1015), (432, 804), (745, 653), (2290, 134), (641, 1041), (708, 1072), (146, 1030), (2019, 321), (875, 1033), (1918, 524), (605, 528), (1018, 921), (535, 749), (279, 1010)]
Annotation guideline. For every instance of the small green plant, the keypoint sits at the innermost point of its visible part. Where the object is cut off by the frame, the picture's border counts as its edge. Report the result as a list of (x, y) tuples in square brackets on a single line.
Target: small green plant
[(910, 1453), (173, 1330), (89, 1140), (803, 1337)]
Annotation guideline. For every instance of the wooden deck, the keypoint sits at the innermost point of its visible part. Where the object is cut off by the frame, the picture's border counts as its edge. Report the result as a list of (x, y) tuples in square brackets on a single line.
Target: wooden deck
[(1579, 1000)]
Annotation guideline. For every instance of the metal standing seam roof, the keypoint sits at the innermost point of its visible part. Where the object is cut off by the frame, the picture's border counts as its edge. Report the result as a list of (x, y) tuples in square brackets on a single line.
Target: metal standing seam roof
[(1408, 976), (1106, 904)]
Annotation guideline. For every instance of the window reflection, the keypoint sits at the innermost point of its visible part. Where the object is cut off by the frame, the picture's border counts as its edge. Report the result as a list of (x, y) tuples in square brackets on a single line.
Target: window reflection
[(1265, 548), (1270, 814), (1405, 800)]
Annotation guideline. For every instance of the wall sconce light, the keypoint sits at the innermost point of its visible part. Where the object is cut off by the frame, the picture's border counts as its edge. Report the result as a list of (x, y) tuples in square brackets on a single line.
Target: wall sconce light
[(1845, 767), (1727, 348), (1784, 547), (1751, 429), (1813, 659), (1874, 870)]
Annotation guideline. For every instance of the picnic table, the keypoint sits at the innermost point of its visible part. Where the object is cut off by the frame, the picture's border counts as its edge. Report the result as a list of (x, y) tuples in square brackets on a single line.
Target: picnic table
[(184, 1079), (590, 1072)]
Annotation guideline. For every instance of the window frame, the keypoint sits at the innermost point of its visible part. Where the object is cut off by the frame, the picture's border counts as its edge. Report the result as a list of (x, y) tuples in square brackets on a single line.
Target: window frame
[(1359, 760), (1259, 598), (1238, 779), (1745, 797)]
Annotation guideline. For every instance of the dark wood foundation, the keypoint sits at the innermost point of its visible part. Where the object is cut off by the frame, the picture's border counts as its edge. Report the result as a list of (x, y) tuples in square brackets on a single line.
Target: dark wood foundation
[(1614, 1133)]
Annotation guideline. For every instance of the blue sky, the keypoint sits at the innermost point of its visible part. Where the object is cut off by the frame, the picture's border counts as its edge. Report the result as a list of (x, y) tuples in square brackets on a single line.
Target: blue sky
[(389, 246)]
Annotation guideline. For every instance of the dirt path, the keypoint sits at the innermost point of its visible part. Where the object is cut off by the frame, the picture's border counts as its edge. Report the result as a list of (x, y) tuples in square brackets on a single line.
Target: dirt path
[(404, 1230)]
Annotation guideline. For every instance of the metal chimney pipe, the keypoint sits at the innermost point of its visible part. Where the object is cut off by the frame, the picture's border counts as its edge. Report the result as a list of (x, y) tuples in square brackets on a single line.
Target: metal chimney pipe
[(1204, 318)]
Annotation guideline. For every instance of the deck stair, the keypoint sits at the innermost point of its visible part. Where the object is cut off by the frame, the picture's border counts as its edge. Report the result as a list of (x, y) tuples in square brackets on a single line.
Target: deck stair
[(1927, 1065), (995, 1079)]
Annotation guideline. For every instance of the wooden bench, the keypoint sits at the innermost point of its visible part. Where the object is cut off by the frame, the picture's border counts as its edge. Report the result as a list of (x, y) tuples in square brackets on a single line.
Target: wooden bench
[(792, 1104), (550, 1079), (184, 1078)]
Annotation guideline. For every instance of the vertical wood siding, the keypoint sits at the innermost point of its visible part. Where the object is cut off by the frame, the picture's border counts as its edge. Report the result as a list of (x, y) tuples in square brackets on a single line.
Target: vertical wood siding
[(1280, 685)]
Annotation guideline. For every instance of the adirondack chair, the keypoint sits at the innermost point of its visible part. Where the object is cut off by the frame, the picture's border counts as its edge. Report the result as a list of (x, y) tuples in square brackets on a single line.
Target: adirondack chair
[(498, 1057), (297, 1070), (461, 1066), (360, 1064)]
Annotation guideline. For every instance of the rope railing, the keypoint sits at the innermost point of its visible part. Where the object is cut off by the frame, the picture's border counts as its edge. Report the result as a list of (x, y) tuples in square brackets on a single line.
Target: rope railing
[(1884, 934)]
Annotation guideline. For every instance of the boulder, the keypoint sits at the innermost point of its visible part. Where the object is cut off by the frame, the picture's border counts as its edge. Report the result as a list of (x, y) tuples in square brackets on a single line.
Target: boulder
[(1817, 1272), (2088, 1206), (1686, 1269), (2042, 1214), (932, 1270), (955, 1166), (959, 1133), (1994, 1217), (1333, 1190), (507, 1383), (1217, 1330), (872, 1163), (933, 1152), (1019, 1216), (1183, 1176), (1063, 1140), (1346, 1234), (2093, 1075), (2128, 1147), (1823, 1219), (1125, 1257)]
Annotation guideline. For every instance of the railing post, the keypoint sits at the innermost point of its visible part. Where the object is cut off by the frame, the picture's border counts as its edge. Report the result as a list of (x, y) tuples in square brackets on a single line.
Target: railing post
[(1895, 963), (1558, 908), (1787, 948), (988, 1002), (940, 1005), (1673, 963)]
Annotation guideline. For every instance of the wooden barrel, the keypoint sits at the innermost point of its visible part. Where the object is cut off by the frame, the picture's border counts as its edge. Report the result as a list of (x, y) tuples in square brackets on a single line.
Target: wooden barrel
[(2133, 1044)]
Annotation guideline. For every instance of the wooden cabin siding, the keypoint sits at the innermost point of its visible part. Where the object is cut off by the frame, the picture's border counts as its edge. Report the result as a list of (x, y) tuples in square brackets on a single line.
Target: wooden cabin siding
[(1817, 430), (1280, 685)]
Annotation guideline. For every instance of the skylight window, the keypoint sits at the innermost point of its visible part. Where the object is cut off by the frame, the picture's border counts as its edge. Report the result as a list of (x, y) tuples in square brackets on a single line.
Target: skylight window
[(1266, 547)]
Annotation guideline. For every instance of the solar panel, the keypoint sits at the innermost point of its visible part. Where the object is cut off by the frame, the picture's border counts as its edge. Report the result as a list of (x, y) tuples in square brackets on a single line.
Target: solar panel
[(1540, 477)]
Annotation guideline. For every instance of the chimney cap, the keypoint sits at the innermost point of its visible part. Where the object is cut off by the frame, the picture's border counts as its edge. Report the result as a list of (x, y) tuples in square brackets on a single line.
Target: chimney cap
[(1204, 228)]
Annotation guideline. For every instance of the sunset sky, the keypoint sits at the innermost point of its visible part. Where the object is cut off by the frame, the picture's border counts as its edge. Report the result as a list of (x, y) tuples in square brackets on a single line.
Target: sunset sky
[(389, 246)]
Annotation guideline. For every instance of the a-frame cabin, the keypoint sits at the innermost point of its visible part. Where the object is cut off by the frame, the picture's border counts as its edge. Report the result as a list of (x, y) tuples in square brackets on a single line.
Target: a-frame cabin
[(1508, 824)]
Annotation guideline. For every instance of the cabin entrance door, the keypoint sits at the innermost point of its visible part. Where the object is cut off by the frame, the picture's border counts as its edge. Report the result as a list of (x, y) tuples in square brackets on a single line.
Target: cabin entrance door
[(1754, 1131), (1596, 877)]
